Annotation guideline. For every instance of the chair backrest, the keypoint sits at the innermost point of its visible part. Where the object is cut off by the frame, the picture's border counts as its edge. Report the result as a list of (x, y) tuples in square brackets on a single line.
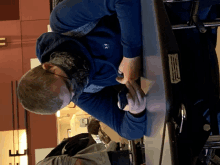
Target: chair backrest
[(196, 6)]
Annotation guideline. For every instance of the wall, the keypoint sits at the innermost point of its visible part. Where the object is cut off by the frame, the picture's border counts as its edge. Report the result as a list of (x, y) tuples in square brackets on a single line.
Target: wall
[(63, 131), (63, 120), (75, 123), (40, 154), (10, 141)]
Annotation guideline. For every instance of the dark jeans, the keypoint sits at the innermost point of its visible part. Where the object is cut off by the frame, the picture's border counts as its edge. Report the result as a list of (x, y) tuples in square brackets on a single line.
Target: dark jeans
[(119, 157)]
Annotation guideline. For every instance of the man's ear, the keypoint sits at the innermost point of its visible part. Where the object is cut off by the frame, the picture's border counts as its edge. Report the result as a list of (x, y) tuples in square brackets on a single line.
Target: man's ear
[(46, 66), (53, 69)]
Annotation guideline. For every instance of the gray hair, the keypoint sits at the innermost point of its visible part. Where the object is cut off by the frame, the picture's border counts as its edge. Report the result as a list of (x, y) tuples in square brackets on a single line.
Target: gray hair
[(35, 94)]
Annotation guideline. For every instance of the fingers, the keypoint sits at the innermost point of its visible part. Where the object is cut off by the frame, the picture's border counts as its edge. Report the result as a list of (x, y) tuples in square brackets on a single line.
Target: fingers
[(126, 107), (130, 101), (121, 80), (125, 80), (138, 89), (136, 93), (136, 98), (131, 91)]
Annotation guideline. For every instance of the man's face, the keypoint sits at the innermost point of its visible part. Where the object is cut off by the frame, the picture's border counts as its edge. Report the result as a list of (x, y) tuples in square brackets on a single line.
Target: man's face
[(61, 85), (65, 95)]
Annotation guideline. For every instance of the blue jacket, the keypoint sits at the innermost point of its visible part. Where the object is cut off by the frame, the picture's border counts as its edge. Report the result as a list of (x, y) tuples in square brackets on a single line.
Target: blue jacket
[(104, 31)]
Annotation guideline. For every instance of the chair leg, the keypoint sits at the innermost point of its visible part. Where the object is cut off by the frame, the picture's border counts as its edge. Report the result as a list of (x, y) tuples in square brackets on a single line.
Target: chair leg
[(136, 152)]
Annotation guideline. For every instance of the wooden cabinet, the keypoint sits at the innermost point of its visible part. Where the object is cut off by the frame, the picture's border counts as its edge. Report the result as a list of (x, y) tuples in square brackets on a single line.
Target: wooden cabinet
[(11, 62), (31, 30), (10, 72), (11, 30), (34, 10), (9, 10)]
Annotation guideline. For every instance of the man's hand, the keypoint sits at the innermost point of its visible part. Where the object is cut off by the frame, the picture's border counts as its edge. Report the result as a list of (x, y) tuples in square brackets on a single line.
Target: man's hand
[(130, 67), (136, 98)]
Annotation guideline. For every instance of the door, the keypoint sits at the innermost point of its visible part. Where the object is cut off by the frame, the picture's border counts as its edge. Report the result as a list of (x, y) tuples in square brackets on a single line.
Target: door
[(10, 72)]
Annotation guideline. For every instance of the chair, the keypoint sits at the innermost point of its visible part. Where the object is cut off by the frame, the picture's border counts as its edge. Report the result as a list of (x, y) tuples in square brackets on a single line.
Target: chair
[(189, 130), (136, 151), (194, 22), (181, 101)]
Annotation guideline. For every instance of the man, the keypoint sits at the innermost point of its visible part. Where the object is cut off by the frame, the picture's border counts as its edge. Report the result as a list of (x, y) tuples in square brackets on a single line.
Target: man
[(94, 128), (83, 150), (92, 45)]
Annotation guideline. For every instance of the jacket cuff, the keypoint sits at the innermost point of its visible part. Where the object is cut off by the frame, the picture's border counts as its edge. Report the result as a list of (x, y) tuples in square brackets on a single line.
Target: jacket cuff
[(139, 119), (132, 52)]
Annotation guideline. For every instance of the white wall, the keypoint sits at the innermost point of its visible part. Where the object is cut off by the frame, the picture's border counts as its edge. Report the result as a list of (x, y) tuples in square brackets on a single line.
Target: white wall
[(41, 153)]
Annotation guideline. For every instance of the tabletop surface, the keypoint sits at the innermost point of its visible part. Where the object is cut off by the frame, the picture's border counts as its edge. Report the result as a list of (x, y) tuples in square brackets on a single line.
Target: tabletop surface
[(156, 100)]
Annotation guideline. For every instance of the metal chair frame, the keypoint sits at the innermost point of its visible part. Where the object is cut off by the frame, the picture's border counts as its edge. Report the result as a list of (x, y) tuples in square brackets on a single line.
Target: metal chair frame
[(214, 141)]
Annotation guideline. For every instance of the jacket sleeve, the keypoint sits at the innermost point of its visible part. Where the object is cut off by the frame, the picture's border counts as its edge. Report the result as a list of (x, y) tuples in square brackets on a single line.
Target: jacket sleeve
[(95, 154), (103, 106), (76, 15), (58, 160)]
